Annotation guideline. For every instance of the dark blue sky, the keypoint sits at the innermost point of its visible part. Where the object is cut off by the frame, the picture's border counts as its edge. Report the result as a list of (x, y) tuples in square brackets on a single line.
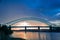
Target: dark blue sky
[(15, 9)]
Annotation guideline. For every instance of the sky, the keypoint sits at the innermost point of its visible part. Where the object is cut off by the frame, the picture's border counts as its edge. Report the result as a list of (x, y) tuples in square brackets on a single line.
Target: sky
[(14, 9)]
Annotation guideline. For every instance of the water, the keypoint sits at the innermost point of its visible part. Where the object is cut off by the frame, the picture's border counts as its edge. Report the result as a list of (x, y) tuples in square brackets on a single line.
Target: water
[(37, 35)]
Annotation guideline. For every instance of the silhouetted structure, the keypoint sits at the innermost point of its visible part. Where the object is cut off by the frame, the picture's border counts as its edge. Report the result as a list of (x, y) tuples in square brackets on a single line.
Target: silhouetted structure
[(0, 31), (25, 30), (50, 28), (38, 28), (0, 27), (5, 32)]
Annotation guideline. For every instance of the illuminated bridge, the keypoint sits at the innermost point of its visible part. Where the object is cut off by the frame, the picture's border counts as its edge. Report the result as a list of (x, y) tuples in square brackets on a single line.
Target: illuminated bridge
[(29, 23), (31, 28)]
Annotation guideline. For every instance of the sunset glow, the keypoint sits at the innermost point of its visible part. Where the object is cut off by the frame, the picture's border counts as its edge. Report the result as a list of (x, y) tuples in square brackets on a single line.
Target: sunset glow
[(30, 23), (24, 24)]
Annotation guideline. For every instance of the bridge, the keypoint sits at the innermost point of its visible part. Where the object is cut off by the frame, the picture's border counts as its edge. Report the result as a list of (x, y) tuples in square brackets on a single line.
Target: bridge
[(30, 27), (28, 18), (35, 28)]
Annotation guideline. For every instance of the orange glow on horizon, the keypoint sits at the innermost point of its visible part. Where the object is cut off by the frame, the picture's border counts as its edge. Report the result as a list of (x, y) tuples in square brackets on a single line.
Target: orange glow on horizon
[(30, 23)]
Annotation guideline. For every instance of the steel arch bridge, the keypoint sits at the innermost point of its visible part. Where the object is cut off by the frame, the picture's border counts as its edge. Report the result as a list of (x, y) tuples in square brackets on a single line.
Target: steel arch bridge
[(28, 18)]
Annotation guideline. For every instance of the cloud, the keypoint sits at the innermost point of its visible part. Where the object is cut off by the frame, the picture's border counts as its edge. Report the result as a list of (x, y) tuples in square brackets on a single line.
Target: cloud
[(58, 14), (56, 22)]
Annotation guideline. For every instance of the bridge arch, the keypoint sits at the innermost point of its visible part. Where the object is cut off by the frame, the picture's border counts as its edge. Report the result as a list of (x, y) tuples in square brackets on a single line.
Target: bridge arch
[(29, 18)]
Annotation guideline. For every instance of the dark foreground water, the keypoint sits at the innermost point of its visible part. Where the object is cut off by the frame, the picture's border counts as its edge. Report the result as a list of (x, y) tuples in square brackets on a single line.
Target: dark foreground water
[(37, 35)]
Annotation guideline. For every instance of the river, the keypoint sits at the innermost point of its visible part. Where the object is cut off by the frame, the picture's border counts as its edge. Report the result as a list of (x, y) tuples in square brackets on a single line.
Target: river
[(37, 35)]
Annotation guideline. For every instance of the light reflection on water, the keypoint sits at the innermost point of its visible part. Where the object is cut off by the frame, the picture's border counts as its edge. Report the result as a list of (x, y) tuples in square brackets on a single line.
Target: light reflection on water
[(37, 35)]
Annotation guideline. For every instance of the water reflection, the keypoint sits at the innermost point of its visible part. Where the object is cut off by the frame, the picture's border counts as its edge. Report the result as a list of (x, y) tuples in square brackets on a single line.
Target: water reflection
[(19, 35), (32, 35), (37, 35)]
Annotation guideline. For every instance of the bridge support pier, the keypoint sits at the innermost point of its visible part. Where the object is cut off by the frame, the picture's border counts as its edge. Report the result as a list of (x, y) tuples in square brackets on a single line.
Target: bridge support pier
[(38, 28), (25, 29)]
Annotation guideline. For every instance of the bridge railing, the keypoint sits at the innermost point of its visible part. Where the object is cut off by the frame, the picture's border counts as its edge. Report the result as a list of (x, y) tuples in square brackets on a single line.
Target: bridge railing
[(26, 26), (37, 28), (30, 28)]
